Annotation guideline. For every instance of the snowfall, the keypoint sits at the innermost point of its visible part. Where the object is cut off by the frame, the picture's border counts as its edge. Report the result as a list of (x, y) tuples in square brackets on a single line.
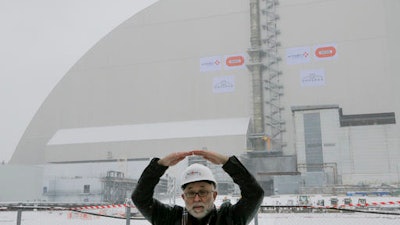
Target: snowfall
[(96, 216)]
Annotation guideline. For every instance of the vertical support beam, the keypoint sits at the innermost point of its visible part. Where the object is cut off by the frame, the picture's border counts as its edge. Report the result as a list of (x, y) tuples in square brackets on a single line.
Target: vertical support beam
[(255, 66), (255, 39), (256, 219), (19, 215), (128, 214)]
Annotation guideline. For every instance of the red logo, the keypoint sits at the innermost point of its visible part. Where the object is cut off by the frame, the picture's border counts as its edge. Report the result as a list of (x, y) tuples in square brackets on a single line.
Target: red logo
[(325, 52), (235, 60)]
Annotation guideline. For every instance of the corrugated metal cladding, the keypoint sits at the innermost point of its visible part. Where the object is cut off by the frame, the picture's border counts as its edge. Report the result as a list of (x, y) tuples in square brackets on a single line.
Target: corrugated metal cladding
[(174, 63)]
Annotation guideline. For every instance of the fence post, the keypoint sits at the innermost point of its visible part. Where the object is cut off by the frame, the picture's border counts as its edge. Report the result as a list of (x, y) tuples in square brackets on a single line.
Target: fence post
[(19, 215), (128, 214), (256, 219)]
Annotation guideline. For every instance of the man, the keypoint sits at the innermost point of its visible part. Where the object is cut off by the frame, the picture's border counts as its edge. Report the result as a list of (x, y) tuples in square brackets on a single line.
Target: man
[(199, 193)]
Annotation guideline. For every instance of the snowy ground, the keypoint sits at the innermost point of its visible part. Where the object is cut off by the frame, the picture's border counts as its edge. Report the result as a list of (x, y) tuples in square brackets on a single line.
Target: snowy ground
[(343, 218), (68, 218)]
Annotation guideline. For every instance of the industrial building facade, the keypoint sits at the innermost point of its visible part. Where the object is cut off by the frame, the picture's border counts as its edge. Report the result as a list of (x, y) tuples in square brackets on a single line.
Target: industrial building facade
[(305, 91)]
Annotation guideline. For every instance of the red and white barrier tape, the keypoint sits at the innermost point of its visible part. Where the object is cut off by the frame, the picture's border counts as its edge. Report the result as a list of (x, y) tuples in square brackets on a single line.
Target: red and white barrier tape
[(103, 207), (390, 203), (372, 204)]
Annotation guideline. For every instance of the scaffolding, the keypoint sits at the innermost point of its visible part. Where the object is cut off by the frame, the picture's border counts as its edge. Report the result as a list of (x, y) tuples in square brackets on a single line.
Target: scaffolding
[(116, 187)]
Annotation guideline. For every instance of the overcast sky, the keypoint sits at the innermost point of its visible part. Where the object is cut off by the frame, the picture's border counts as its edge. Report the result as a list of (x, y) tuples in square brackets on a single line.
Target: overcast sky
[(40, 41)]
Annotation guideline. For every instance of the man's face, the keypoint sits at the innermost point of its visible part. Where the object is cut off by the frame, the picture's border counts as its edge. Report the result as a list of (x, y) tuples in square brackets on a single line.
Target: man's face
[(199, 198)]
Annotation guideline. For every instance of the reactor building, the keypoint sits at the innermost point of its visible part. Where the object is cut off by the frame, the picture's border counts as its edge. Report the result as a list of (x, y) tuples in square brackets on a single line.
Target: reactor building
[(305, 92)]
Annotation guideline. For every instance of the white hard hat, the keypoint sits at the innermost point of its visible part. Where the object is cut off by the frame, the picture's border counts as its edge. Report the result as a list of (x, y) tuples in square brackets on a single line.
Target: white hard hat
[(197, 172)]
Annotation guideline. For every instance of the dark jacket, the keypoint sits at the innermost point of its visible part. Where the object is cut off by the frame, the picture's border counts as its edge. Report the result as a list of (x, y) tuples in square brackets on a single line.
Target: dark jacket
[(158, 213)]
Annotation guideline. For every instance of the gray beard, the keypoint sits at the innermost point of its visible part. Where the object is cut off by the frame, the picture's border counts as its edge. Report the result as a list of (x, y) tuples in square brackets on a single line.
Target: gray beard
[(204, 214)]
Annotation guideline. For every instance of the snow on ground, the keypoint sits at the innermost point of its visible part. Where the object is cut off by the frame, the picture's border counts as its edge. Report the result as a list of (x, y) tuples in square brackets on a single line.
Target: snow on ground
[(74, 218), (68, 218)]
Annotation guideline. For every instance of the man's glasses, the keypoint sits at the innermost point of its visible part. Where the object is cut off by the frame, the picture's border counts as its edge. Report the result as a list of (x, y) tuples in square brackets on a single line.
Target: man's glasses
[(201, 193)]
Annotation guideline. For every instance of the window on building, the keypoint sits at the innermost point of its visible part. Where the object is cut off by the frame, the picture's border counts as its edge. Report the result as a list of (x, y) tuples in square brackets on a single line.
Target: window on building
[(86, 188), (367, 119)]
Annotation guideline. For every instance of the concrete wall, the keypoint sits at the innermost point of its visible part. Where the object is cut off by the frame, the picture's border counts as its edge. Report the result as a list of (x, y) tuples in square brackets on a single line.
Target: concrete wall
[(352, 155), (20, 183)]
